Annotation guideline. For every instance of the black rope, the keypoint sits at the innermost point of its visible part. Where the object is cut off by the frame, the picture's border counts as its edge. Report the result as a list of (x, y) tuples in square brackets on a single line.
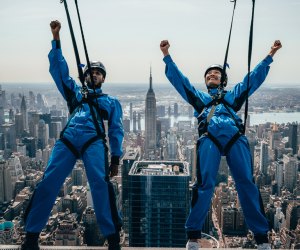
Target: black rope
[(87, 61), (227, 49), (84, 45), (80, 71), (79, 68), (249, 63)]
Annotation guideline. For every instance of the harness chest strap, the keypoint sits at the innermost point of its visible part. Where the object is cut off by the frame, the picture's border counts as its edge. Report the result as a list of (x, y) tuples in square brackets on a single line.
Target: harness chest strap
[(211, 113), (100, 134), (216, 101)]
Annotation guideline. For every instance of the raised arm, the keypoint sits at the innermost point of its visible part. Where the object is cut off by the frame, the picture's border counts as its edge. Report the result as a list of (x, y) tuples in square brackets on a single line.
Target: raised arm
[(181, 83), (59, 68), (257, 77)]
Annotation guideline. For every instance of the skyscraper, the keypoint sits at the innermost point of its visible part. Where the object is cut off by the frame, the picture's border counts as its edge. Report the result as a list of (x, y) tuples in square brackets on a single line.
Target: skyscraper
[(92, 234), (139, 118), (43, 134), (275, 137), (19, 124), (293, 137), (130, 111), (24, 113), (158, 203), (33, 120), (89, 196), (30, 143), (292, 215), (161, 111), (77, 173), (279, 176), (11, 115), (6, 190), (134, 121), (251, 135), (129, 158), (55, 129), (9, 133), (172, 145), (2, 105), (150, 122), (15, 168), (290, 172), (126, 125), (264, 158), (176, 113)]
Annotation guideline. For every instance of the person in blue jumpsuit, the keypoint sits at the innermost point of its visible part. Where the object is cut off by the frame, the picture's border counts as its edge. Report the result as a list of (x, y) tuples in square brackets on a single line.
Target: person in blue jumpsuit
[(84, 138), (221, 133)]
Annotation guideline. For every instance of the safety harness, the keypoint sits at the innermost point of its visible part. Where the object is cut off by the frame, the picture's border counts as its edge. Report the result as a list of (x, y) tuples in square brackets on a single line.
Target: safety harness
[(88, 98), (98, 115), (203, 123), (219, 98)]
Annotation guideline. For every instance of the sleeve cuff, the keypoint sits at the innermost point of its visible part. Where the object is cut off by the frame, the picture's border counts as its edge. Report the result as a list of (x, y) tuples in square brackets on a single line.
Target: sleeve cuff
[(167, 59), (55, 44), (115, 160), (268, 59)]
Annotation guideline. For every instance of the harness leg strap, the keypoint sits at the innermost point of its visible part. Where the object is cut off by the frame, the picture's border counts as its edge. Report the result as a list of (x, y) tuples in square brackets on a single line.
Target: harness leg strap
[(231, 142), (88, 143), (228, 145), (215, 141), (71, 147)]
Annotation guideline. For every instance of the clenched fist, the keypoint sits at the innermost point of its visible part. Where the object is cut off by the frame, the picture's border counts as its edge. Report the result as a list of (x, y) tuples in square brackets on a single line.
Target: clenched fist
[(164, 47), (55, 28)]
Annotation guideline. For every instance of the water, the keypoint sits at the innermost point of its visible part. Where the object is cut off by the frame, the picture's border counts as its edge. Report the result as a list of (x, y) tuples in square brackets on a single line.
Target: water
[(279, 118), (255, 118)]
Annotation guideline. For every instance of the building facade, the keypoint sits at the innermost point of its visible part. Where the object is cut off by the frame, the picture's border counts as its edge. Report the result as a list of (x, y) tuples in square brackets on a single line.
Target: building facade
[(150, 122), (159, 203)]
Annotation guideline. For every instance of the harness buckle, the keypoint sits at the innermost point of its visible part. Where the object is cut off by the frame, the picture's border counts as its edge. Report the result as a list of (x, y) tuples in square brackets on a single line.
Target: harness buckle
[(84, 92)]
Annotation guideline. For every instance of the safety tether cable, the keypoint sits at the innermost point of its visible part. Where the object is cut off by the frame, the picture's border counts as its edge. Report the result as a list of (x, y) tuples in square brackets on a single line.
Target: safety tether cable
[(249, 63), (79, 65), (85, 50), (227, 49), (89, 70)]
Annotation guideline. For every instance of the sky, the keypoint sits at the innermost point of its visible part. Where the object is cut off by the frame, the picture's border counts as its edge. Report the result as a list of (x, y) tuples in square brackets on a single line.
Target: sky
[(125, 35)]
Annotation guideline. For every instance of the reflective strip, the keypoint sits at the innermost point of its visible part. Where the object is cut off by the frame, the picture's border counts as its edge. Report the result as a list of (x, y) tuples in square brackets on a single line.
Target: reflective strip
[(211, 113)]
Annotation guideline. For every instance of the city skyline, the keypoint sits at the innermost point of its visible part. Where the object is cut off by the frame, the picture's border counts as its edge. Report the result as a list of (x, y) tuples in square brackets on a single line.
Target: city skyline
[(31, 123), (127, 34)]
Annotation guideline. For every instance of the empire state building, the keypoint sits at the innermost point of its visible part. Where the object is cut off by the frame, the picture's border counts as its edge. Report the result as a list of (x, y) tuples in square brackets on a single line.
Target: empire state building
[(150, 122)]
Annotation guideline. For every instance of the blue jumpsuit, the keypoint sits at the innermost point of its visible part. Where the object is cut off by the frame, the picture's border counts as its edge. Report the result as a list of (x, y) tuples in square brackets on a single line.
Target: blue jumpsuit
[(79, 130), (223, 127)]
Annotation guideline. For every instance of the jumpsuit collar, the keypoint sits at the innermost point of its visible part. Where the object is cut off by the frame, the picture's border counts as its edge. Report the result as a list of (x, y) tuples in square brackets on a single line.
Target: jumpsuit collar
[(213, 92), (97, 90)]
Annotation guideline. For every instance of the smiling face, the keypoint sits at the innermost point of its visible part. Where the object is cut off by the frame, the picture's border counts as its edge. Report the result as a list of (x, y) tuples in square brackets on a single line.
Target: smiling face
[(213, 78), (97, 77)]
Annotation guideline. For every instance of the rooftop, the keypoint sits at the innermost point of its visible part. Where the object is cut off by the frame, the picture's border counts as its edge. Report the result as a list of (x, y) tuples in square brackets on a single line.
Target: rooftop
[(161, 168)]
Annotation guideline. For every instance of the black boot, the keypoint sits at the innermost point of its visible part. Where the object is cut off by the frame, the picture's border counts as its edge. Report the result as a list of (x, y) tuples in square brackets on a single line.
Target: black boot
[(114, 242), (31, 241), (261, 238)]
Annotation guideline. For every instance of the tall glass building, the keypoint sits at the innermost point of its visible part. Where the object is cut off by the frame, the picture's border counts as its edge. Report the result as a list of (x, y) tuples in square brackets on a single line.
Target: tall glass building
[(158, 203)]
